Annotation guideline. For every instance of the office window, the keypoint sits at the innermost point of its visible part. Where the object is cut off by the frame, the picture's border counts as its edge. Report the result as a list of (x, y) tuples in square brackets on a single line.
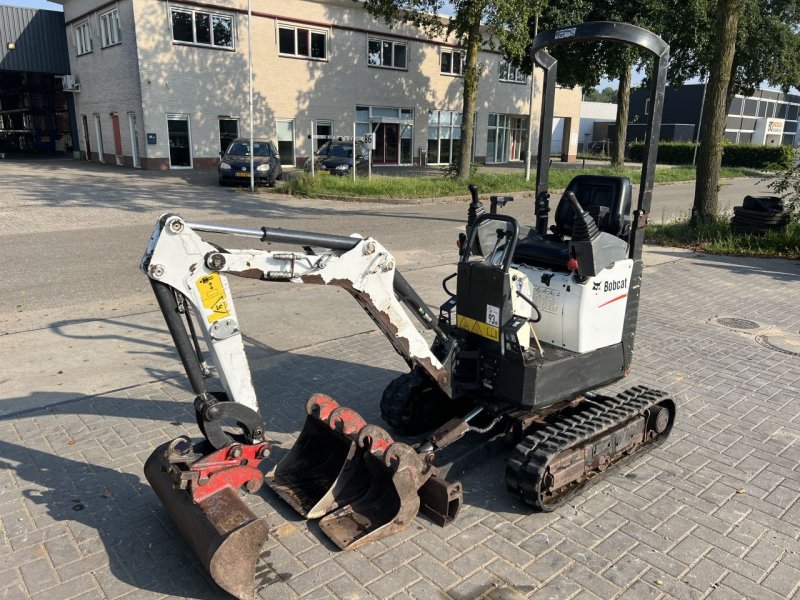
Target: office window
[(509, 72), (202, 28), (323, 128), (83, 38), (308, 43), (452, 62), (109, 28), (750, 107), (386, 53)]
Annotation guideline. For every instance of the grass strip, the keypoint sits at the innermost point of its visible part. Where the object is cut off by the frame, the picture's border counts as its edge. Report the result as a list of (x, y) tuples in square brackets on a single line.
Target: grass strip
[(716, 237), (382, 186)]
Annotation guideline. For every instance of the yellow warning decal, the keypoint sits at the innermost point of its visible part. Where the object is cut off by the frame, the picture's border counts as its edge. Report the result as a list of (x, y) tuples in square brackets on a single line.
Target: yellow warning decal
[(482, 329), (212, 293)]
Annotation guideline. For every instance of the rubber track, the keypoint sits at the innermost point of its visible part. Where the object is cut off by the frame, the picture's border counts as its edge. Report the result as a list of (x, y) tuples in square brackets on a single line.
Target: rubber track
[(530, 458), (406, 410)]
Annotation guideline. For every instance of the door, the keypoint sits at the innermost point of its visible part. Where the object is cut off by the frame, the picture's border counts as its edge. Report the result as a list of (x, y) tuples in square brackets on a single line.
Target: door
[(86, 141), (98, 130), (117, 138), (180, 142), (286, 141), (387, 144), (134, 140), (228, 131)]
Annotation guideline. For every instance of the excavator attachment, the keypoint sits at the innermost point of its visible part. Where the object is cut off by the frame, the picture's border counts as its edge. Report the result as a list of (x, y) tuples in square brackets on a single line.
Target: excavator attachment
[(392, 501), (201, 495), (323, 470), (363, 484)]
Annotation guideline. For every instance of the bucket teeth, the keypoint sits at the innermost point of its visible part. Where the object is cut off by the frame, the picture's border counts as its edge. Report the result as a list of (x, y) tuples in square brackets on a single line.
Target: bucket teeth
[(361, 483), (323, 469)]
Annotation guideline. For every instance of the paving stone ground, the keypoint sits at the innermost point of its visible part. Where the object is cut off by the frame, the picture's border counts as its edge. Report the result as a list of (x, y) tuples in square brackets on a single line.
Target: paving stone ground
[(712, 513)]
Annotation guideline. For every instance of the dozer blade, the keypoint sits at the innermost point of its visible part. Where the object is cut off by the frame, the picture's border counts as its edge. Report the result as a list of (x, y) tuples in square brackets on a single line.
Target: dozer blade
[(222, 531), (391, 503), (324, 469)]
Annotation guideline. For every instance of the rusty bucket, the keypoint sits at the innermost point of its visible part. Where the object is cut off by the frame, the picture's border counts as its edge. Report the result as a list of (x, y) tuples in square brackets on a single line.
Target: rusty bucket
[(391, 502), (323, 470), (222, 531)]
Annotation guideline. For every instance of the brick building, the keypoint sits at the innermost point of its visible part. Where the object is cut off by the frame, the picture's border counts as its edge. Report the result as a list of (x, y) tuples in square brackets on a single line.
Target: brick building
[(164, 84)]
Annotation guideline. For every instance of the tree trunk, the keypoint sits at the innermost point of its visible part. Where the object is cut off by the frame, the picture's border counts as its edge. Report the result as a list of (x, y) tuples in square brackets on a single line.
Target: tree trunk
[(471, 77), (714, 117), (623, 106)]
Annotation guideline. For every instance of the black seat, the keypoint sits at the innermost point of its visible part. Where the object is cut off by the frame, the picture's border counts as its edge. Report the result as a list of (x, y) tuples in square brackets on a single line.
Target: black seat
[(607, 199)]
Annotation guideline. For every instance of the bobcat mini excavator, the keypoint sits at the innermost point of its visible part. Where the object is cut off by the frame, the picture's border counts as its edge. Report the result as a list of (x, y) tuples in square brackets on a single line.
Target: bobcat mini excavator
[(540, 318)]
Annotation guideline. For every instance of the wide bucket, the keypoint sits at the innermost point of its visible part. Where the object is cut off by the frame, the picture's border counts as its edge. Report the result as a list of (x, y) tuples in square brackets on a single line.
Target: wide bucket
[(324, 469), (391, 501), (222, 531)]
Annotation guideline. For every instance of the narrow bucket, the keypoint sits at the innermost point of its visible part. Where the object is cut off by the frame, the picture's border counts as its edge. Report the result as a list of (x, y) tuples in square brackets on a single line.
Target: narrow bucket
[(391, 502), (222, 531), (324, 469)]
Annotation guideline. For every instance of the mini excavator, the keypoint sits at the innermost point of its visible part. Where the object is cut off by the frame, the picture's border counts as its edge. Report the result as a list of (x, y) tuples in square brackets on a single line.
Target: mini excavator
[(540, 319)]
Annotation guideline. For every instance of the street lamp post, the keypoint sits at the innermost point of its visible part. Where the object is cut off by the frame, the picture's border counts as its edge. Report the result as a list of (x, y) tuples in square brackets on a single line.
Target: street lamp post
[(250, 81)]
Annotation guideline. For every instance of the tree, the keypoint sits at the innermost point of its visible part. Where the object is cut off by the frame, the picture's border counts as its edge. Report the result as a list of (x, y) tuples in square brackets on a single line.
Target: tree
[(764, 46), (475, 24), (607, 95), (714, 117)]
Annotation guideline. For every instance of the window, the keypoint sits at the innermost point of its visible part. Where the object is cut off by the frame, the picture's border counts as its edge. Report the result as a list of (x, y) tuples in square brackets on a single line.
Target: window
[(384, 53), (109, 28), (83, 39), (509, 72), (308, 43), (202, 28), (444, 136), (452, 62)]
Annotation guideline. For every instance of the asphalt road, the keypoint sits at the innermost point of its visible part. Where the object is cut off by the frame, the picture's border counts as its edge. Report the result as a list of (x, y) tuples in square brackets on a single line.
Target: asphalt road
[(75, 237)]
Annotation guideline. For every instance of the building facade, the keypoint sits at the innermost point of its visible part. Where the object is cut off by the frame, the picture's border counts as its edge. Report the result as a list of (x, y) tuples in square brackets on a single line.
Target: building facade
[(766, 117), (165, 84), (35, 113)]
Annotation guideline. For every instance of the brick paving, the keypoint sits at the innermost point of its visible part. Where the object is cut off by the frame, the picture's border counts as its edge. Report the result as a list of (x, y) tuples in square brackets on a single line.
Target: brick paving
[(713, 513)]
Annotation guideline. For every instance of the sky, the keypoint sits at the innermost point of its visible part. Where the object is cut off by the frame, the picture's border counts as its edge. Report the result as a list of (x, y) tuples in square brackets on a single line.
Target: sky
[(34, 4)]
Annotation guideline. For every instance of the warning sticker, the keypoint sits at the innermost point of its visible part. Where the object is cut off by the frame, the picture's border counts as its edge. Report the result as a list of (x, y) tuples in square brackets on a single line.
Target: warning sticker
[(212, 293), (482, 329)]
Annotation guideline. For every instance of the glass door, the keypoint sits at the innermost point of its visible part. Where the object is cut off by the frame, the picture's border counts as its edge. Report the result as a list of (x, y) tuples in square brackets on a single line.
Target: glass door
[(228, 131), (98, 131), (286, 141), (180, 142), (387, 144)]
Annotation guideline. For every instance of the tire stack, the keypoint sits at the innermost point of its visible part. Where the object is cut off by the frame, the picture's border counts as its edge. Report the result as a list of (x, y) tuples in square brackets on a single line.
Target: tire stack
[(758, 215)]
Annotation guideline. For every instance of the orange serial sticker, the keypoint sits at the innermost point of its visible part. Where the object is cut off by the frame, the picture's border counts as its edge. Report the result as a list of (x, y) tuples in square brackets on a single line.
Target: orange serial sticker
[(212, 293)]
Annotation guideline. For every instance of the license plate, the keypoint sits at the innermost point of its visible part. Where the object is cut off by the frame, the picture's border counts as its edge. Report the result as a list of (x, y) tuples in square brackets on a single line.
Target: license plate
[(240, 174)]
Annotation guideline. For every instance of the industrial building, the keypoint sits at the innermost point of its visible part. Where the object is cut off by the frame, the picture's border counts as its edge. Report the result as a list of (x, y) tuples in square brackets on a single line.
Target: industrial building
[(36, 115)]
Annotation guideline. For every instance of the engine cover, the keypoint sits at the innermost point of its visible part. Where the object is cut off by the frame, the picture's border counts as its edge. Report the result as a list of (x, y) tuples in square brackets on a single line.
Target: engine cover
[(577, 316)]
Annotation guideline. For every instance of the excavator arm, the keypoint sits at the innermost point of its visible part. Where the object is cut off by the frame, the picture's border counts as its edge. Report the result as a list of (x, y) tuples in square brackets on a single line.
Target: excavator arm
[(178, 260)]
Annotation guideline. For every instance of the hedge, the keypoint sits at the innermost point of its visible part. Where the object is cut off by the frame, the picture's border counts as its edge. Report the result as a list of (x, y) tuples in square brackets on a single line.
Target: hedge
[(733, 155)]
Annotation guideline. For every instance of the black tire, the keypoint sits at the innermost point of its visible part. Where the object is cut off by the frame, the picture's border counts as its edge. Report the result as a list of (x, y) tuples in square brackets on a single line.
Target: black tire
[(412, 405), (222, 182)]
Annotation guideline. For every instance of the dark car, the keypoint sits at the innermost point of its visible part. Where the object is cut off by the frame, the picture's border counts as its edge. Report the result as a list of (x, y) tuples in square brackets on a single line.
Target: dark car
[(234, 165), (336, 158)]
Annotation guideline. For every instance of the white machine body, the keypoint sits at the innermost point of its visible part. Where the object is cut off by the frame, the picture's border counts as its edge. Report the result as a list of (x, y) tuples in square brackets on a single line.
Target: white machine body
[(579, 317)]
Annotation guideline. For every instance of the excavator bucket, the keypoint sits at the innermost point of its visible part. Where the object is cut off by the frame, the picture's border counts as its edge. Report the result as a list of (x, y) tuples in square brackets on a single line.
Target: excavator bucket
[(222, 531), (324, 469), (391, 502)]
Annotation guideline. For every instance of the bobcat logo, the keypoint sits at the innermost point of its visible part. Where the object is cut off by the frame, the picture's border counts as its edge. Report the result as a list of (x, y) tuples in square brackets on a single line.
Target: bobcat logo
[(596, 286)]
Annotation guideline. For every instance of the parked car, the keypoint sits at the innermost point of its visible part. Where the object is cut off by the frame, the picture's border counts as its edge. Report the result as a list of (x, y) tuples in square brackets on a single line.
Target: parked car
[(336, 158), (234, 165)]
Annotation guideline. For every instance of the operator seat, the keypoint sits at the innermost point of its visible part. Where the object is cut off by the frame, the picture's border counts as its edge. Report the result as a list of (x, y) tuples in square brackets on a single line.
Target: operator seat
[(607, 199)]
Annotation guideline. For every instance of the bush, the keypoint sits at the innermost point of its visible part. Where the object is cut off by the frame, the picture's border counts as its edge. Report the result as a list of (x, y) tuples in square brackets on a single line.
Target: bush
[(669, 153), (734, 155), (784, 180)]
